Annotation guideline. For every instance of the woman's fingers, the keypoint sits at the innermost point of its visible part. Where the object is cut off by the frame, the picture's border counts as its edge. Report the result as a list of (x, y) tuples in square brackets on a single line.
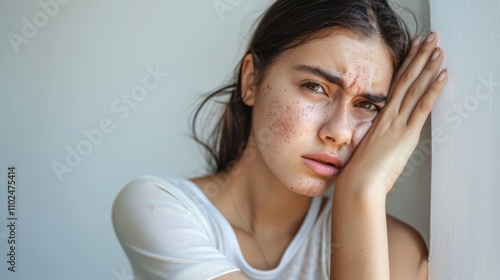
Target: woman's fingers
[(408, 59), (413, 71), (419, 88), (426, 102)]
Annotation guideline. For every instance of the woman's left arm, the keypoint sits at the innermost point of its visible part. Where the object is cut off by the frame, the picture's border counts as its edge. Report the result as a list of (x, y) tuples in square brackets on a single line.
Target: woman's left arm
[(360, 248), (407, 251)]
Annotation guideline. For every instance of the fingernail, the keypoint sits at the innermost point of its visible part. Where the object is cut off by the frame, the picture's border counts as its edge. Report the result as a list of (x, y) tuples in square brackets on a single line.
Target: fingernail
[(416, 41), (431, 37), (443, 75), (436, 53)]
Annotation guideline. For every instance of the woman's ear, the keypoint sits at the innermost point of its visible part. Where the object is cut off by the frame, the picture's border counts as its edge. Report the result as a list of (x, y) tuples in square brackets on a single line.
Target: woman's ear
[(248, 78)]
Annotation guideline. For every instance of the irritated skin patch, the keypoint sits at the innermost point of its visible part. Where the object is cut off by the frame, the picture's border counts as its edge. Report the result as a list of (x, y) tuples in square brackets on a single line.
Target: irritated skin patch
[(283, 119)]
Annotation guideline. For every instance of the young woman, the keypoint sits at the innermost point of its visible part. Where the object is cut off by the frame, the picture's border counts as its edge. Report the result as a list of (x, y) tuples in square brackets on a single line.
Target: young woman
[(329, 92)]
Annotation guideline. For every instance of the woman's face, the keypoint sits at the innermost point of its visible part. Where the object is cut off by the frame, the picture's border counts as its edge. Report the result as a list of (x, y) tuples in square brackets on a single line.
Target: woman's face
[(315, 104)]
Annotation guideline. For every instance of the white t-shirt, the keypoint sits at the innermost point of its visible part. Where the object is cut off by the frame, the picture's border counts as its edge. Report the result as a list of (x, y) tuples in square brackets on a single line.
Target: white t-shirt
[(170, 230)]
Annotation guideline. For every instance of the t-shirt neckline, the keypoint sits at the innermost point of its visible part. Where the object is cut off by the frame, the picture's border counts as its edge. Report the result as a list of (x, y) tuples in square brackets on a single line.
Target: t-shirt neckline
[(228, 231)]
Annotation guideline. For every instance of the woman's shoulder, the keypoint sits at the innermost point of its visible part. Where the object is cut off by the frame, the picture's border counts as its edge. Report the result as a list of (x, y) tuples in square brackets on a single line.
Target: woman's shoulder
[(153, 187), (161, 221), (150, 181), (407, 250), (146, 195)]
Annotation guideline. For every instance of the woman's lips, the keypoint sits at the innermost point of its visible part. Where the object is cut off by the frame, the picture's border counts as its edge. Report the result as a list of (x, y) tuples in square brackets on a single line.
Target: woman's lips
[(320, 168)]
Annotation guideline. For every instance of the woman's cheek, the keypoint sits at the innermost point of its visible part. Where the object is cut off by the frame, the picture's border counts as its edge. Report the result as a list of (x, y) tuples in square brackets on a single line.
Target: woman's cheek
[(288, 119)]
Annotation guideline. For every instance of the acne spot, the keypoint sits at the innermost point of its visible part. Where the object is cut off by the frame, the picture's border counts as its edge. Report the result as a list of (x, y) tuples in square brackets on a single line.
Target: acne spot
[(282, 119)]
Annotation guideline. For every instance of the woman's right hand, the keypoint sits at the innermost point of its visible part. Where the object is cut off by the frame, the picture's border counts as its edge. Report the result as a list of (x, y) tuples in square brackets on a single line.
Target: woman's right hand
[(360, 240), (386, 148)]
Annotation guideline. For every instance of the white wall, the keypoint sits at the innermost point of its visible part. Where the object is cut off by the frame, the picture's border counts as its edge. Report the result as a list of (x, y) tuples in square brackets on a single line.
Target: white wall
[(465, 172), (65, 77)]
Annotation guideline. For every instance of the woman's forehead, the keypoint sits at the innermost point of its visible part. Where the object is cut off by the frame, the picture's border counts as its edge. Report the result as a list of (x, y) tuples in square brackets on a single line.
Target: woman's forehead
[(343, 46), (359, 62)]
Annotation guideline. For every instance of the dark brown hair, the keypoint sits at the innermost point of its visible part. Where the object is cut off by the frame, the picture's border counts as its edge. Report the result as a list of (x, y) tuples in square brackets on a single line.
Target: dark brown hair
[(285, 25)]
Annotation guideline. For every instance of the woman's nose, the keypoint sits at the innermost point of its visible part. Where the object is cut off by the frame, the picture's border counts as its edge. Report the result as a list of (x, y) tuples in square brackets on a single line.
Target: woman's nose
[(336, 128)]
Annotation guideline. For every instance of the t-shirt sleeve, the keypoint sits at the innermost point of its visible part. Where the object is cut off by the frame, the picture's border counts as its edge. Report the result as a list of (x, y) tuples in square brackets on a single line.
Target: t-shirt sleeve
[(162, 237)]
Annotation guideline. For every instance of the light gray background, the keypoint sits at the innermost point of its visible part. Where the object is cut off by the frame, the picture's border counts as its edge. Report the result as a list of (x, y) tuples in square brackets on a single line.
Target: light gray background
[(66, 78)]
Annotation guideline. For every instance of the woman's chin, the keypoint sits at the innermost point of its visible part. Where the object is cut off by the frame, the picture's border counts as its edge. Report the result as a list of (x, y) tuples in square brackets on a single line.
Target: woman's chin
[(311, 189)]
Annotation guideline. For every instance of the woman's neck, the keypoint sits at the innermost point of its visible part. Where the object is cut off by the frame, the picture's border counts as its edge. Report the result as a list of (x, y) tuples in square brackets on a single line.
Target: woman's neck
[(265, 204), (263, 212)]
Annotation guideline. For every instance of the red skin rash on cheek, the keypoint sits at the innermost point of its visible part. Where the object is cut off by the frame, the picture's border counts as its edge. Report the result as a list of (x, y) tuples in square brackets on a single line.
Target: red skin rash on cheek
[(282, 119), (286, 117)]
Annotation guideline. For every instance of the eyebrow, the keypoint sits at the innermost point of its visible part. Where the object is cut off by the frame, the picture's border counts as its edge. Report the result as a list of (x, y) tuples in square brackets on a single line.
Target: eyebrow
[(374, 97)]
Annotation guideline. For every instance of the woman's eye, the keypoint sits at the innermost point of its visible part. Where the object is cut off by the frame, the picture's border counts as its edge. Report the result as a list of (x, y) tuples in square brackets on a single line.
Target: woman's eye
[(314, 87), (368, 106)]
